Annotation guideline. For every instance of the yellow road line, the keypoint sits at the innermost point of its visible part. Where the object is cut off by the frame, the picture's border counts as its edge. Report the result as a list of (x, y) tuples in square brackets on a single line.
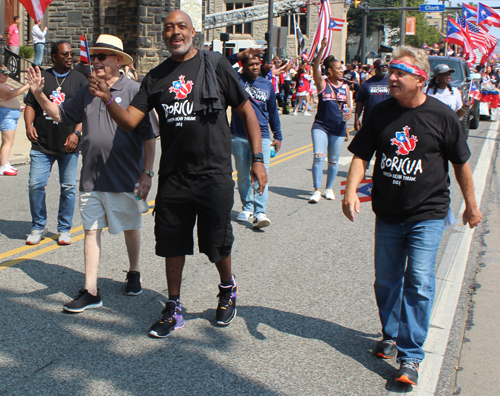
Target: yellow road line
[(276, 160)]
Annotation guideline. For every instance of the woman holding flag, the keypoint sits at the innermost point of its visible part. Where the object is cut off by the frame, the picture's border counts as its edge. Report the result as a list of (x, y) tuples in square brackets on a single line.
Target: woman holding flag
[(329, 128)]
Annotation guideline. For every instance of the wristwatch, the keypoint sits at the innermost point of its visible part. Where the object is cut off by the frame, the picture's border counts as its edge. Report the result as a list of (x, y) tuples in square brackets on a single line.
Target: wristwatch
[(148, 172), (78, 133), (257, 157)]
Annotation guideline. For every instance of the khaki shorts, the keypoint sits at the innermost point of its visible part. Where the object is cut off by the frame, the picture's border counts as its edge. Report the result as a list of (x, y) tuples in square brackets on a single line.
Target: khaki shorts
[(118, 211)]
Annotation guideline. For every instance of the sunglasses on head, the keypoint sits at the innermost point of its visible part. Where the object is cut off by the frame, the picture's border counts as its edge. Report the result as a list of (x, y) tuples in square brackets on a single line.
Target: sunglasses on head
[(100, 56), (66, 53)]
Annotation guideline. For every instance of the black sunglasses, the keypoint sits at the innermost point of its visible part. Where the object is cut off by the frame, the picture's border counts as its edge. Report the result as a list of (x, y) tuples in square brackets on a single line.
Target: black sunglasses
[(101, 56), (66, 53)]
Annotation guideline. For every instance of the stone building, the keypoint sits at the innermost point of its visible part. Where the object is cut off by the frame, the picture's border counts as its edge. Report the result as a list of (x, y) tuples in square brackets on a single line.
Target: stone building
[(139, 24)]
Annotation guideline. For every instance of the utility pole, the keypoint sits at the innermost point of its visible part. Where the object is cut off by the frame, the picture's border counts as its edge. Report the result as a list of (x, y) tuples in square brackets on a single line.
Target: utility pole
[(270, 23), (403, 24), (363, 35)]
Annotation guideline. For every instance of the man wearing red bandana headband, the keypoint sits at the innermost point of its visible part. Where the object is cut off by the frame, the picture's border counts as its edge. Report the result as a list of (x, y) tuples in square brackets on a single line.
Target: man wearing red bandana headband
[(413, 137)]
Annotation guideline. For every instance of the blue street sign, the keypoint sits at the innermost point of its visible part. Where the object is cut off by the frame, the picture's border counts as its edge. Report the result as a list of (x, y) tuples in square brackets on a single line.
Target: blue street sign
[(431, 7)]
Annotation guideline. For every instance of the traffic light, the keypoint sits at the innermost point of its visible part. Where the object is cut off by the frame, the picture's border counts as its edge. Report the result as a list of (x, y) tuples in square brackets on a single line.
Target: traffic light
[(356, 3)]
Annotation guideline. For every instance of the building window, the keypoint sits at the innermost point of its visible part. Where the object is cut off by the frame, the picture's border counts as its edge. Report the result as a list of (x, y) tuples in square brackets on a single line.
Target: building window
[(300, 20), (244, 28)]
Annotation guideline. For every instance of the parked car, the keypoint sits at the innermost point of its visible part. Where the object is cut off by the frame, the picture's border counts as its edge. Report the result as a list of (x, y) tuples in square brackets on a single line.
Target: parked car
[(461, 80)]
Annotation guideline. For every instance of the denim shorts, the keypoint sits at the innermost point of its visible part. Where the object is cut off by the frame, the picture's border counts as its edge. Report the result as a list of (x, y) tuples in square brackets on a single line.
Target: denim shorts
[(8, 119)]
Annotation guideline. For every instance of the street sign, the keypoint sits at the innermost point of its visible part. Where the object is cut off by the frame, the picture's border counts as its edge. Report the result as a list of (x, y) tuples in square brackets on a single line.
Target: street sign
[(431, 7)]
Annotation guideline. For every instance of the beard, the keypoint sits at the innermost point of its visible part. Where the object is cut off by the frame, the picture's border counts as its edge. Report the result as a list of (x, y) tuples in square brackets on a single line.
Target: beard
[(188, 42)]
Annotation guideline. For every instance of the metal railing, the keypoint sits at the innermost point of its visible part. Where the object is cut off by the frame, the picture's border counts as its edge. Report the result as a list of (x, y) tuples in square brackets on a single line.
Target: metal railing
[(16, 64)]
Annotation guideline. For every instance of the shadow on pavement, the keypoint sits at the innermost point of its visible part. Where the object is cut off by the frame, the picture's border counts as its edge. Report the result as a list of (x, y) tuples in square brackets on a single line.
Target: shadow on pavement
[(291, 192), (14, 229)]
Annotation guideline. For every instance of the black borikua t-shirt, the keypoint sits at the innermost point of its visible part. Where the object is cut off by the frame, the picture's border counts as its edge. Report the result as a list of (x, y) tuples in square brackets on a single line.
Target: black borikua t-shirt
[(51, 134), (191, 143), (412, 148)]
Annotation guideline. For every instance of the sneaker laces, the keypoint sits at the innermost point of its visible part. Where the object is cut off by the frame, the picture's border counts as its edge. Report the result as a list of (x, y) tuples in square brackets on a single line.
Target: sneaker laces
[(168, 312), (410, 365), (81, 293), (225, 295)]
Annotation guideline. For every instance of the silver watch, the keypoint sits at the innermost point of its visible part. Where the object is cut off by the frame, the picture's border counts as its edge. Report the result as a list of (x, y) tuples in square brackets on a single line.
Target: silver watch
[(148, 172)]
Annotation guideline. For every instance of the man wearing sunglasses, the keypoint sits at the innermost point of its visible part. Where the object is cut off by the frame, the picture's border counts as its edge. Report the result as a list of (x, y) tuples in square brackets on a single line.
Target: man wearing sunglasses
[(191, 92), (52, 141), (372, 92), (113, 162)]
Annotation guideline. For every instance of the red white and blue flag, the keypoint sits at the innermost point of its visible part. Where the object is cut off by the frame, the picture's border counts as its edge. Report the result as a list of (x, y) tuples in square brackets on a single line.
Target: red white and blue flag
[(84, 50), (474, 92), (323, 30), (455, 34), (336, 24), (364, 190), (35, 8), (304, 54), (487, 16), (469, 13)]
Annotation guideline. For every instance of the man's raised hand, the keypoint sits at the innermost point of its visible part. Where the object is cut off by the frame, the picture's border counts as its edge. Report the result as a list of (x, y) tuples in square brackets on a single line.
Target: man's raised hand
[(99, 88)]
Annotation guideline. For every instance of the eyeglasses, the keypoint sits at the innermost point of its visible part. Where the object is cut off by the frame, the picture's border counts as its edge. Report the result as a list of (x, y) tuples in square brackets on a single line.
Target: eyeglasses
[(101, 56), (66, 53), (383, 66)]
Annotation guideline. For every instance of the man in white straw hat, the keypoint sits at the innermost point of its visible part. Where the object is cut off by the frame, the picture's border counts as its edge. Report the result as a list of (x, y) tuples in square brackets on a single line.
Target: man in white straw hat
[(191, 92), (113, 161)]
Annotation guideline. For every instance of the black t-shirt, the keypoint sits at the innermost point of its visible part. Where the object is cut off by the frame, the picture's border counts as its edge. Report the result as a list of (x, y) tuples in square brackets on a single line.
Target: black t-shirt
[(413, 147), (52, 135), (191, 143)]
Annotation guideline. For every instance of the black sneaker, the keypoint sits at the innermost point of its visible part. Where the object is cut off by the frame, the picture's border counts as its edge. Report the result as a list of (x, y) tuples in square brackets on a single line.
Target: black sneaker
[(386, 349), (83, 301), (133, 286), (408, 373), (171, 319), (226, 308)]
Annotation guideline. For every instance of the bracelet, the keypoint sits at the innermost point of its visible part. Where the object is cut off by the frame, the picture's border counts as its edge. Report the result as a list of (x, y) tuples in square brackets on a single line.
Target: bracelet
[(258, 160), (465, 109), (111, 100)]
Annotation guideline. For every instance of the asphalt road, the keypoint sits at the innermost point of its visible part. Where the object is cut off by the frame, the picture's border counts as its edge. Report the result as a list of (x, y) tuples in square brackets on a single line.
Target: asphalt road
[(307, 319)]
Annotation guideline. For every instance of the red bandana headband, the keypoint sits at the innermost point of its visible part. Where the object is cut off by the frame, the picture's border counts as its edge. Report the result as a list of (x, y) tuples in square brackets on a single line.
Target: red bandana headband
[(407, 67)]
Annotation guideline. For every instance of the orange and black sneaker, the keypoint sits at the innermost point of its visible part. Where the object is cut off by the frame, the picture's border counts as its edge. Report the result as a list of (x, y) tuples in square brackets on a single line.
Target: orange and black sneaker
[(226, 308), (408, 373), (386, 349)]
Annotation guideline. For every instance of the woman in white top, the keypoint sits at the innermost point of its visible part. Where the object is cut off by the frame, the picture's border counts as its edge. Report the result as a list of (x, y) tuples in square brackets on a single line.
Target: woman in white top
[(440, 88)]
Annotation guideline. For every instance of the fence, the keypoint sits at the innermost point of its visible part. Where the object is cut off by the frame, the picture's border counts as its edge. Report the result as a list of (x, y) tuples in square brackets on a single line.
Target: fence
[(18, 65)]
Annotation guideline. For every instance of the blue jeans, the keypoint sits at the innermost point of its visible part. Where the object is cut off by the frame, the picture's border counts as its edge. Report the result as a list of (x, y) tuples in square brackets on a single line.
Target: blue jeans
[(40, 167), (323, 141), (252, 201), (405, 257), (39, 47)]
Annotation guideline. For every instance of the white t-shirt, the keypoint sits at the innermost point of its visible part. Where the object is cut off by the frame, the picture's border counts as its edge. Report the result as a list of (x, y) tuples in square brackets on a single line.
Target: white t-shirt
[(454, 100)]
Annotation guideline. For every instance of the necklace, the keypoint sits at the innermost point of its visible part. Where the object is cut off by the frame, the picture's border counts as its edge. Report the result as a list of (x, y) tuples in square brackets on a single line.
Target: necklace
[(62, 82)]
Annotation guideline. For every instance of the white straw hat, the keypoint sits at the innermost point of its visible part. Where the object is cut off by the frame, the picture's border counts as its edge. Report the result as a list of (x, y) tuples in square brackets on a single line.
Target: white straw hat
[(113, 44)]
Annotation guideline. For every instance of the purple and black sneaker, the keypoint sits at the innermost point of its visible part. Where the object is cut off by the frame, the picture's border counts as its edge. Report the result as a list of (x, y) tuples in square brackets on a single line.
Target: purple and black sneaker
[(226, 309), (171, 319)]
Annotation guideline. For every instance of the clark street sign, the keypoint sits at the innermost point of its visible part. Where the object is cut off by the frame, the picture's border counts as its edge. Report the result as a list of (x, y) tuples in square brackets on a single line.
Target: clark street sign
[(431, 8)]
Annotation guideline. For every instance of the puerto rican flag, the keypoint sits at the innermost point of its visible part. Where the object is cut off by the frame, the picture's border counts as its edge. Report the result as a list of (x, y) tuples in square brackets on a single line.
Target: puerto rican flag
[(487, 16), (364, 190), (84, 50), (35, 8), (336, 24), (469, 13), (455, 34), (474, 92), (323, 30)]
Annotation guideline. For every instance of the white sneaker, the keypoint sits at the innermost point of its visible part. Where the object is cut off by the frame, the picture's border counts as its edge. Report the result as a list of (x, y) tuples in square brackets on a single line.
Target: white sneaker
[(64, 238), (294, 113), (7, 171), (244, 216), (261, 221), (11, 167), (329, 194), (36, 236), (307, 114), (315, 197)]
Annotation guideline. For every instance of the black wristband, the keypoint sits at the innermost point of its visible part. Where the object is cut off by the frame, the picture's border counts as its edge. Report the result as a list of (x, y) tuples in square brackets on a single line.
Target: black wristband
[(257, 157), (258, 160), (77, 133)]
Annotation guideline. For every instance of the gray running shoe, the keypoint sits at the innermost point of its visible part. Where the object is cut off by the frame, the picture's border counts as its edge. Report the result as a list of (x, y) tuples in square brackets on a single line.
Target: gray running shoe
[(36, 236)]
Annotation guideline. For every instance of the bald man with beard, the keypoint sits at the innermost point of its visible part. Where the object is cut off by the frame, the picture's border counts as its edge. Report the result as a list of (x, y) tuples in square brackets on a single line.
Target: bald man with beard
[(191, 91)]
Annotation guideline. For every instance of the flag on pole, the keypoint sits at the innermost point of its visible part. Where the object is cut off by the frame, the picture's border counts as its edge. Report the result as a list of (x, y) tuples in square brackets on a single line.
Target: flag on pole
[(299, 36), (364, 190), (84, 50), (336, 24), (474, 91), (322, 31), (476, 35), (487, 16), (469, 13), (455, 34), (35, 8)]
